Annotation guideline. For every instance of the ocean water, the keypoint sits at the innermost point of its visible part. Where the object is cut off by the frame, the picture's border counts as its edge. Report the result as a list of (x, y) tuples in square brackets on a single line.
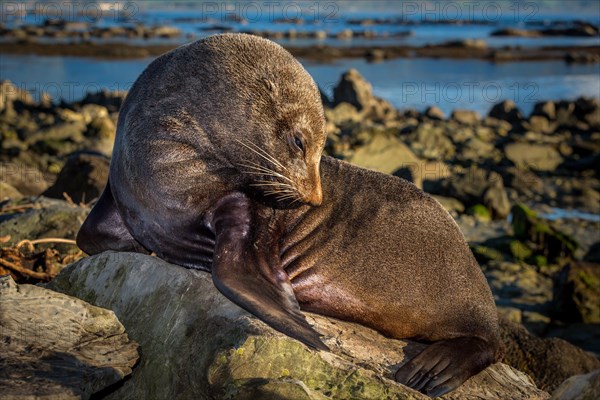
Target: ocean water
[(406, 83)]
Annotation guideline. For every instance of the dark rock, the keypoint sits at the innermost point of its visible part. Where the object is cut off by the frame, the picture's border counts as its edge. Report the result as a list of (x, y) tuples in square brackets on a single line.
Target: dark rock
[(515, 32), (565, 113), (588, 110), (478, 186), (548, 361), (545, 109), (431, 142), (475, 150), (540, 157), (434, 112), (376, 55), (526, 182), (45, 218), (82, 178), (593, 254), (546, 240), (507, 111), (112, 100), (479, 44), (29, 180), (353, 89), (577, 293)]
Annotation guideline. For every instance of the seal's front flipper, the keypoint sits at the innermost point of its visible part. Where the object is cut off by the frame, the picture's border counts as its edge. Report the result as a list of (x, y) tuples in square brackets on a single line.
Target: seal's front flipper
[(247, 270), (104, 229), (445, 365)]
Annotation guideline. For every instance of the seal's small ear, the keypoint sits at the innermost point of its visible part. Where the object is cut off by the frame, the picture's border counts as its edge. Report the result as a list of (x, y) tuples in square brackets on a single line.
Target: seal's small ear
[(271, 86), (247, 269)]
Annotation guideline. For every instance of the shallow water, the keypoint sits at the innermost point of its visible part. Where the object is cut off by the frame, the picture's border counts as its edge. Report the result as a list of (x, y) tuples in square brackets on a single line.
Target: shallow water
[(407, 83)]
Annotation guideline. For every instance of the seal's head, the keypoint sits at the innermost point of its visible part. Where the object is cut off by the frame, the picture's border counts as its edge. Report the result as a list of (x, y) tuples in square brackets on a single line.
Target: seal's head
[(278, 119)]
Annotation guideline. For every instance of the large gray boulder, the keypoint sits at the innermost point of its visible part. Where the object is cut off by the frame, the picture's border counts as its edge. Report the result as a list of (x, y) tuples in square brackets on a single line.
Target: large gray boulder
[(196, 344), (54, 346)]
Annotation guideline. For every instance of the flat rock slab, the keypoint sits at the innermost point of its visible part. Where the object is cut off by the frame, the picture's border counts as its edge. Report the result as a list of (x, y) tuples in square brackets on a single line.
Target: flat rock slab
[(196, 344), (55, 346)]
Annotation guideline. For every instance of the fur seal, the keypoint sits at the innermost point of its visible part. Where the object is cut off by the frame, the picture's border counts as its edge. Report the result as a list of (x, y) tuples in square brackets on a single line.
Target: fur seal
[(217, 166)]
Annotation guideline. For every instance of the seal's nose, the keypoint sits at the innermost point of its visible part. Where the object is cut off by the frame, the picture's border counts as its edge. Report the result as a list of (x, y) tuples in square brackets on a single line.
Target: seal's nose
[(316, 197)]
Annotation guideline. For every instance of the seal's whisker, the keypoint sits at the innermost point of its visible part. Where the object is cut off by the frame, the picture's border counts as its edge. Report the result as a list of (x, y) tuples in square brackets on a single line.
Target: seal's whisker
[(264, 171), (258, 167), (270, 156), (262, 153)]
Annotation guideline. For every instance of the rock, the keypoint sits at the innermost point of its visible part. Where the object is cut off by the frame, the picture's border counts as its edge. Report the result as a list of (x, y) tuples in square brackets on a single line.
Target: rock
[(578, 57), (44, 218), (538, 123), (83, 178), (9, 192), (376, 55), (540, 157), (586, 336), (565, 113), (166, 32), (197, 344), (434, 112), (500, 127), (579, 387), (89, 112), (10, 93), (544, 238), (548, 361), (353, 89), (479, 44), (345, 34), (593, 254), (577, 293), (450, 204), (384, 153), (480, 212), (476, 150), (111, 100), (27, 179), (101, 134), (545, 109), (431, 142), (477, 186), (419, 172), (341, 113), (496, 199), (58, 347), (507, 111), (526, 182), (515, 32), (465, 117), (514, 284), (588, 110)]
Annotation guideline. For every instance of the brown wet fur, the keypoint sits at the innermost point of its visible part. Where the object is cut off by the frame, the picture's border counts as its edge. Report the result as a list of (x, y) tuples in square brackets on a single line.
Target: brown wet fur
[(207, 173)]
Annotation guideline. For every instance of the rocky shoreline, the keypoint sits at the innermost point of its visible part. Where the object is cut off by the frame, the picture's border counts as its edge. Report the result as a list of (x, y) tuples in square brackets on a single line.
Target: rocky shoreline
[(464, 49), (55, 37), (498, 175)]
